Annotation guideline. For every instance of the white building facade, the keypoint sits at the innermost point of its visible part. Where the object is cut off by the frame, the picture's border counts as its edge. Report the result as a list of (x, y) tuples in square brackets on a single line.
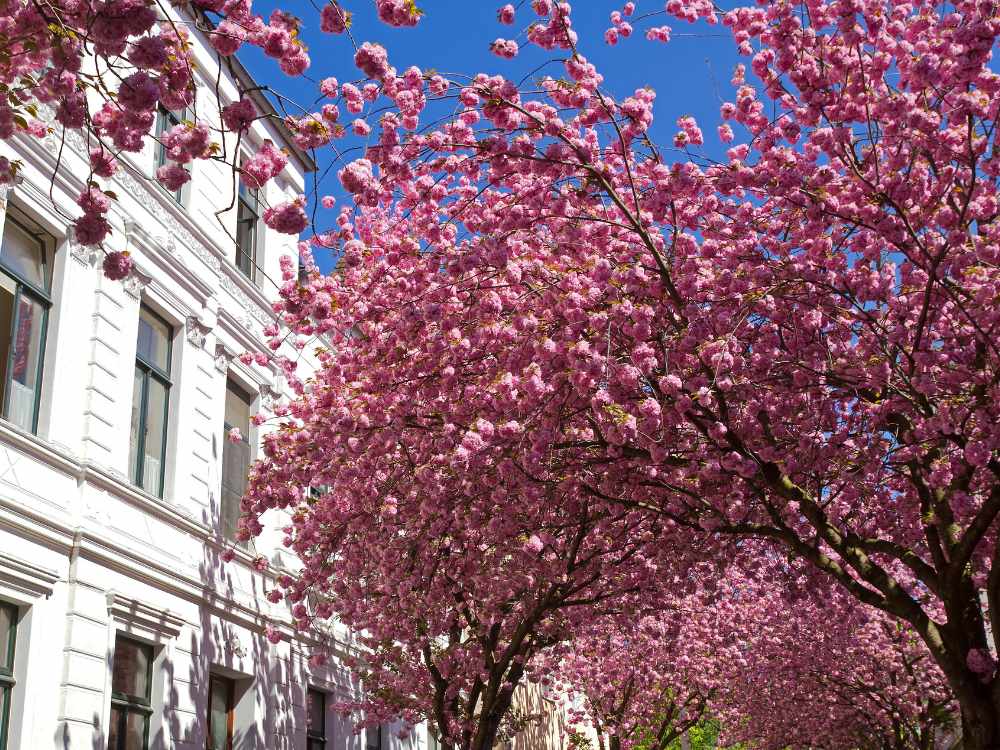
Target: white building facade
[(120, 627)]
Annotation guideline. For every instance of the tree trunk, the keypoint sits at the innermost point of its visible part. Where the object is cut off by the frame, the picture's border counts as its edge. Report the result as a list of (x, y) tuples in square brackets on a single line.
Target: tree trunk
[(980, 708)]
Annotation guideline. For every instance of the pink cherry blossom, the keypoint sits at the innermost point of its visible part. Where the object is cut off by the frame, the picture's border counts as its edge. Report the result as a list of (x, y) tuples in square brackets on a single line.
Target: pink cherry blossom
[(288, 217), (263, 166), (117, 265), (239, 115), (172, 176)]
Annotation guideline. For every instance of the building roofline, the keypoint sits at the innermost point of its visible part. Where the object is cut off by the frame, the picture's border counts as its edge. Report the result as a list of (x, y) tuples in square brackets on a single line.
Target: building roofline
[(251, 88)]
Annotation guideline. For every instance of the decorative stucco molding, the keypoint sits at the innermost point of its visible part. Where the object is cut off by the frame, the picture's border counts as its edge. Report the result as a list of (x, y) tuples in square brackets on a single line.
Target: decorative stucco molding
[(26, 578), (136, 283), (223, 359), (142, 619), (85, 255), (196, 331)]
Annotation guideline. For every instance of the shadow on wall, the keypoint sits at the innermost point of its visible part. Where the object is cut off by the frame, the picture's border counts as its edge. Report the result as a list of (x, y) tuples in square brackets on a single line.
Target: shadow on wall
[(545, 723), (254, 683), (254, 689)]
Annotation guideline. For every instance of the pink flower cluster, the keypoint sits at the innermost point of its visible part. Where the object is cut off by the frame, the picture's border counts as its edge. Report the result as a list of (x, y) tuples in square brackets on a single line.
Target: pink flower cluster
[(690, 134), (117, 265), (333, 19), (186, 141), (620, 28), (658, 34), (373, 60), (288, 217), (102, 162), (506, 48), (238, 116), (92, 226), (398, 12), (357, 177), (172, 176), (263, 166)]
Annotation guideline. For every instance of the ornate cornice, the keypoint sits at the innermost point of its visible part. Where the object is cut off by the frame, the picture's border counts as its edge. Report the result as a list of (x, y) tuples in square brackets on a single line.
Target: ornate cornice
[(26, 578), (196, 331), (143, 619)]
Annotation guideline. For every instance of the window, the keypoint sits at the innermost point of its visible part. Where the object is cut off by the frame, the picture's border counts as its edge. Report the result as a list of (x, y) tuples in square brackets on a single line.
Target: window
[(235, 457), (165, 120), (315, 720), (373, 738), (8, 632), (220, 713), (150, 395), (25, 272), (131, 681), (316, 491), (247, 215)]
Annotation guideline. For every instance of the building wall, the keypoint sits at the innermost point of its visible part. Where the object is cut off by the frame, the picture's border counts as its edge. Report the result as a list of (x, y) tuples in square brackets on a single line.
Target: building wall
[(84, 554)]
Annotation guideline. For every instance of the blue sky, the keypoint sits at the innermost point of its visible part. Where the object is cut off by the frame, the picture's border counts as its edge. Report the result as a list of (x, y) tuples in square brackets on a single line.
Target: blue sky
[(690, 73)]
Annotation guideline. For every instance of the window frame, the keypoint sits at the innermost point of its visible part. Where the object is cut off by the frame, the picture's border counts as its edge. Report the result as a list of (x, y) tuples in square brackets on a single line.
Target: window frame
[(248, 199), (316, 740), (250, 398), (34, 293), (230, 711), (133, 704), (7, 681), (152, 370), (165, 120)]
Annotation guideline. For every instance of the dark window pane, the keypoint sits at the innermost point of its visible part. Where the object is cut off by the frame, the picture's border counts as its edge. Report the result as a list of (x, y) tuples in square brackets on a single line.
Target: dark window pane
[(246, 230), (8, 625), (153, 343), (373, 737), (25, 359), (165, 120), (114, 729), (150, 396), (235, 464), (133, 446), (5, 692), (26, 252), (235, 457), (130, 674), (316, 713), (22, 326), (8, 293), (155, 447), (220, 706), (135, 731), (249, 197), (239, 405), (8, 622)]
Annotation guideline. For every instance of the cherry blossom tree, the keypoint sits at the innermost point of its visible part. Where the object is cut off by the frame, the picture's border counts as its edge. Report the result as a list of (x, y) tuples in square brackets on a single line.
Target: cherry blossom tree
[(795, 344), (778, 658), (455, 594), (640, 684), (804, 664)]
